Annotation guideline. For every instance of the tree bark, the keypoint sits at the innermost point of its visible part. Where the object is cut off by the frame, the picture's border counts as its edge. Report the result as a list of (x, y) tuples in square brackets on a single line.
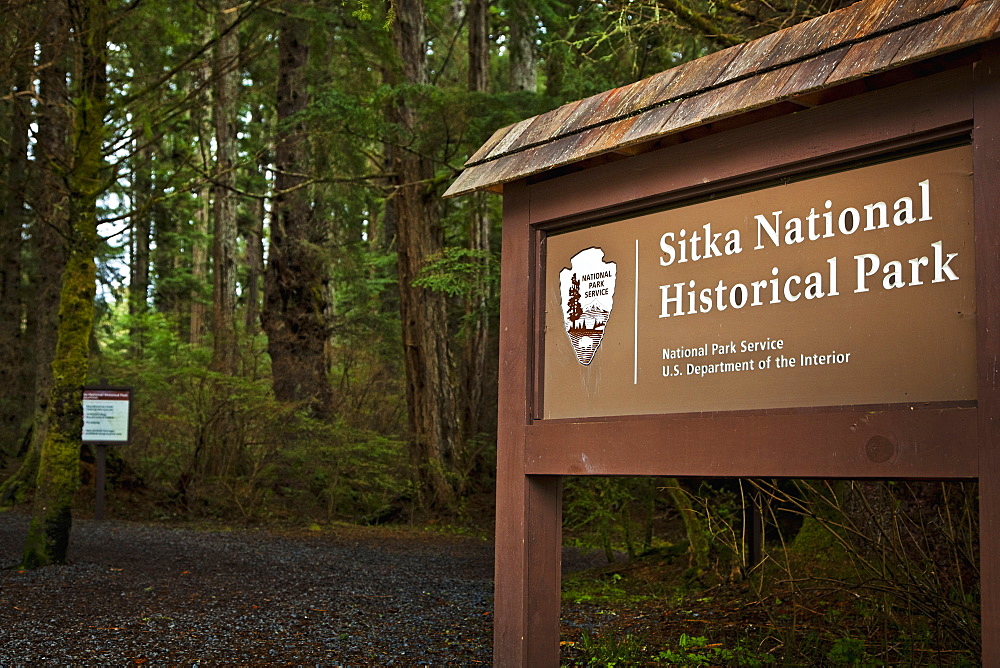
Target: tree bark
[(296, 281), (138, 289), (523, 52), (254, 255), (14, 394), (473, 371), (430, 394), (255, 241), (48, 234), (203, 214), (479, 45), (475, 376), (171, 297), (224, 252), (58, 473), (199, 264)]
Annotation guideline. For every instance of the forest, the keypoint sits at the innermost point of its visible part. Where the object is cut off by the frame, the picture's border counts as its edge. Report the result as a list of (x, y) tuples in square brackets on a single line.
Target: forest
[(234, 208)]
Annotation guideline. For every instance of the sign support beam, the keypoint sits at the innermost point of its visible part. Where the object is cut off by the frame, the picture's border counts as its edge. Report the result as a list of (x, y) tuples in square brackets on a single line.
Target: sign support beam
[(101, 456), (529, 508), (986, 168)]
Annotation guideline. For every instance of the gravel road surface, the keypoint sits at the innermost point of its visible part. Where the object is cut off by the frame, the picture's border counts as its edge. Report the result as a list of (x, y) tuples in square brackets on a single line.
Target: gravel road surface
[(135, 593)]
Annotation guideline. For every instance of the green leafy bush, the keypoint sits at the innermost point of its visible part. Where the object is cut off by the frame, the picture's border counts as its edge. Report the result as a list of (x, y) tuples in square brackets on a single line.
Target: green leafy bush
[(208, 444), (608, 650)]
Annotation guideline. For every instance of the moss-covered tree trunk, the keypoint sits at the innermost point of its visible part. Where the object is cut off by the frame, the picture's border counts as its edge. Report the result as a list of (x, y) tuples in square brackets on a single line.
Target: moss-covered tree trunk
[(58, 472), (698, 540)]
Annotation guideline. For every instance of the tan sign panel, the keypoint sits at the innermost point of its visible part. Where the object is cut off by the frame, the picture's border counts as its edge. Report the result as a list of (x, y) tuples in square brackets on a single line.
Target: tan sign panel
[(106, 417), (848, 289)]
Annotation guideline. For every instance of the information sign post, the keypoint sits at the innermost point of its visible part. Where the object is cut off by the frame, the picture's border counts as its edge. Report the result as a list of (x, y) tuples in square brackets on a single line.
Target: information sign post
[(107, 420)]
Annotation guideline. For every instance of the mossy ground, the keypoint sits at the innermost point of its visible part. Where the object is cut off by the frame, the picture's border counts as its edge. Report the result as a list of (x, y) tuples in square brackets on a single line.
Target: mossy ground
[(651, 611)]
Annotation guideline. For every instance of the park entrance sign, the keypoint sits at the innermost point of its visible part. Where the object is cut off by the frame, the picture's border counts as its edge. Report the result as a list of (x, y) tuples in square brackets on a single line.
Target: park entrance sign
[(779, 260), (849, 288)]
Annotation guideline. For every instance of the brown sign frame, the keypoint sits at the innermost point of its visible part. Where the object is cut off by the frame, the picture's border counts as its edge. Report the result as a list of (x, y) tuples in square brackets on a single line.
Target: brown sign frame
[(941, 441), (806, 318)]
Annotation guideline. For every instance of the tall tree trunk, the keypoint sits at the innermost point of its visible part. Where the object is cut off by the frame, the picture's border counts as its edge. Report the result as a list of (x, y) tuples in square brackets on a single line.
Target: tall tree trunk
[(170, 297), (224, 251), (58, 474), (479, 45), (199, 263), (138, 289), (523, 34), (203, 214), (48, 233), (255, 240), (430, 394), (473, 373), (254, 260), (296, 293), (14, 393)]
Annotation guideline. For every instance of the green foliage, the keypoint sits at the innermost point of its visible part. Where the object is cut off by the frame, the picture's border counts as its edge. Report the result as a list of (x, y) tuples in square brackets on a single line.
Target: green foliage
[(603, 590), (617, 515), (849, 652), (902, 555), (597, 513), (209, 444), (608, 650), (462, 272), (697, 651)]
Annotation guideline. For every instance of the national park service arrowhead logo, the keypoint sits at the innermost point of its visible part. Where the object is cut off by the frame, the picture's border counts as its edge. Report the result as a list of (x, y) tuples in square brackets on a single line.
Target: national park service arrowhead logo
[(587, 290)]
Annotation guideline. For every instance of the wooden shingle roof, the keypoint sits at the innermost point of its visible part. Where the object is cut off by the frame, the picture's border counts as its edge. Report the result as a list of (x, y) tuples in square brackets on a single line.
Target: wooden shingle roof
[(861, 40)]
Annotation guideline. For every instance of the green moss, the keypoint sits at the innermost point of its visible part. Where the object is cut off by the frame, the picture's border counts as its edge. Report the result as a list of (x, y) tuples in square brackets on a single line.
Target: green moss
[(48, 539), (697, 535), (58, 471), (819, 552)]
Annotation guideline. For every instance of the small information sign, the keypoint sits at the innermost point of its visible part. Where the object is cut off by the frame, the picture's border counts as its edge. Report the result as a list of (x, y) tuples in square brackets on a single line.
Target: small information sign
[(106, 415)]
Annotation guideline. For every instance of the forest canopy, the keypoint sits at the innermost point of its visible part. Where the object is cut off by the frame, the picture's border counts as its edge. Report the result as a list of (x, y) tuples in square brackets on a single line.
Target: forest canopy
[(234, 208)]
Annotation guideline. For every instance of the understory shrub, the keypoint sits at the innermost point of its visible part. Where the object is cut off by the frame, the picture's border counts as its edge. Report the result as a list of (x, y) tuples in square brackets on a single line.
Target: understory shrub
[(208, 444)]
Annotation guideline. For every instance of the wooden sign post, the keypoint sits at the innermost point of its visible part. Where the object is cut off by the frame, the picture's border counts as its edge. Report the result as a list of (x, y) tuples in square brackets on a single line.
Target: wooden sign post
[(781, 260)]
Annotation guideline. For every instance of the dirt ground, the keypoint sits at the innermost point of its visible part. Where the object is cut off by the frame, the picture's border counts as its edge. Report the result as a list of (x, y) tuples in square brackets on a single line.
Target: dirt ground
[(134, 593)]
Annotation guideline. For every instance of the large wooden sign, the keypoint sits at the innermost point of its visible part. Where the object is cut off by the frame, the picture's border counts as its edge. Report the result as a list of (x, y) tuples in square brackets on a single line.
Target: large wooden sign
[(850, 288), (781, 260)]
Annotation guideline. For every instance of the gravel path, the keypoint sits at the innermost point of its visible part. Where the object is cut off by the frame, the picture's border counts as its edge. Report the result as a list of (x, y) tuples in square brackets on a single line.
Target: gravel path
[(135, 593)]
